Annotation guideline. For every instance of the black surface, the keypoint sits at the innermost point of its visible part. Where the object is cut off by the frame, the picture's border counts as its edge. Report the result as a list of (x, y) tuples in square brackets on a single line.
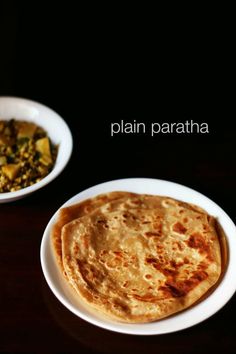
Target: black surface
[(95, 70)]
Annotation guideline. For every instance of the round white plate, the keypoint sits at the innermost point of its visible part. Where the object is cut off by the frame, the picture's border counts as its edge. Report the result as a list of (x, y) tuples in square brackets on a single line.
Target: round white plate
[(185, 319), (54, 125)]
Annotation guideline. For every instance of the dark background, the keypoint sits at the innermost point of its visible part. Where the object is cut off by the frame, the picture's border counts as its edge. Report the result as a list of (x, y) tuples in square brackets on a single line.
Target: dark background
[(94, 69)]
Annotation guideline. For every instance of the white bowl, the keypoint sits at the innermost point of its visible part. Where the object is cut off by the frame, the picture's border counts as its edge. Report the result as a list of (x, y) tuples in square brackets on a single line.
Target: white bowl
[(55, 126), (196, 314)]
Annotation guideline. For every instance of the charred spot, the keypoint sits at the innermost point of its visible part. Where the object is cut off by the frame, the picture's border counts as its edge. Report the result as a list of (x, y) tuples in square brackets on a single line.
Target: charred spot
[(176, 265), (164, 270), (197, 241), (161, 258), (76, 247), (173, 289), (133, 217), (136, 201), (202, 265), (185, 220), (152, 234), (186, 260), (181, 288), (125, 284), (178, 227), (120, 305), (167, 271), (102, 252), (151, 260), (118, 253), (102, 222), (148, 276), (199, 276), (205, 227), (173, 263), (180, 246)]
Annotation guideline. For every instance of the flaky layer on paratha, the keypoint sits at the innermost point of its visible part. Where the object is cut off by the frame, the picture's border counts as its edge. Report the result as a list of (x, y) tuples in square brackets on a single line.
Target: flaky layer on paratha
[(76, 211), (138, 258)]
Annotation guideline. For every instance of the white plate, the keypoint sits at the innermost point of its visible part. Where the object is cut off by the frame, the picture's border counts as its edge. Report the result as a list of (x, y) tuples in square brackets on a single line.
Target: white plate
[(55, 126), (185, 319)]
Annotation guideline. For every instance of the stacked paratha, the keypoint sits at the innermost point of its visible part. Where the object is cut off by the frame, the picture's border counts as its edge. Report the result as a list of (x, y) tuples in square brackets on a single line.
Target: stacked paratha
[(137, 258)]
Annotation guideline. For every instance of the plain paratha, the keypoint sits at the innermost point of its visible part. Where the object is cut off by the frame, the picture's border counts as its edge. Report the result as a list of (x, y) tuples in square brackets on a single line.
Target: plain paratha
[(138, 258)]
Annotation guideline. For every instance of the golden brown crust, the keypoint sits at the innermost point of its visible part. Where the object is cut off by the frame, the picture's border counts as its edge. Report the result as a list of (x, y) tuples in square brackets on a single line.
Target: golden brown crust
[(76, 211), (138, 258)]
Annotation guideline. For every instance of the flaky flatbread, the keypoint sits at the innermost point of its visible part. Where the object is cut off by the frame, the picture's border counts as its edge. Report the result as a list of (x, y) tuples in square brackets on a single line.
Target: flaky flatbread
[(138, 258)]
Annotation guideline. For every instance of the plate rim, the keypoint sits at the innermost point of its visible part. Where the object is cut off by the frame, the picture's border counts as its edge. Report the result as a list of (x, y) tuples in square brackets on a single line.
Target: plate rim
[(143, 329)]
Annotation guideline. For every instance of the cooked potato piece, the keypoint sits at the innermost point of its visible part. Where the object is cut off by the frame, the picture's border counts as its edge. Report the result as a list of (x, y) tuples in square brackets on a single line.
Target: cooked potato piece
[(26, 130), (43, 146), (3, 160), (11, 170), (45, 160)]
